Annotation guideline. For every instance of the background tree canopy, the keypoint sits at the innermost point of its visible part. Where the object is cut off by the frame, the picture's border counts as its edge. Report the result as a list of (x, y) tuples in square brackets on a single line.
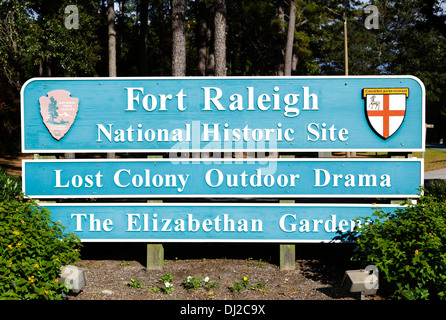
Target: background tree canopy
[(34, 41)]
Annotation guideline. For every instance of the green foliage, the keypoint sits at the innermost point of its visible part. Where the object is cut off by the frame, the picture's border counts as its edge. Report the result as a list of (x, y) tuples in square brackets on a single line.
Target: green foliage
[(74, 51), (10, 187), (124, 263), (191, 283), (409, 248), (34, 41), (134, 283), (194, 283), (167, 283), (437, 190), (208, 284), (167, 277), (32, 251), (239, 286), (33, 35)]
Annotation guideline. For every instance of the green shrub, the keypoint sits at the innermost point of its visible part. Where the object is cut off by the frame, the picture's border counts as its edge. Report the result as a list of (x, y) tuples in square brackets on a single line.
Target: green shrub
[(437, 190), (239, 286), (32, 250), (194, 283), (167, 282), (191, 283), (134, 283), (409, 248), (10, 186)]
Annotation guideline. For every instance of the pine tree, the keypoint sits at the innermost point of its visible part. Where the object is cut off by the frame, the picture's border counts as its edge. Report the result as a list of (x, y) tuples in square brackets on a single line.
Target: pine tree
[(52, 110)]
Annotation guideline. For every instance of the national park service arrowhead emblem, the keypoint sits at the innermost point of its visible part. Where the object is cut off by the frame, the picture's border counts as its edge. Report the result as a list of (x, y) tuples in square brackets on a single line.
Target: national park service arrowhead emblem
[(58, 111), (385, 109)]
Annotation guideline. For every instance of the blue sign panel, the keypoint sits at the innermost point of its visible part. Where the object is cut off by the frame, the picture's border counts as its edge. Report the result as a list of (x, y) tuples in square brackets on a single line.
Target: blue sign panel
[(149, 178), (219, 222), (364, 113)]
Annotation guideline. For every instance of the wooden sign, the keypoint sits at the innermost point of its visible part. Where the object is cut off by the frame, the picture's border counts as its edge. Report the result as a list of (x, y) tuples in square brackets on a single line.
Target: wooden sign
[(218, 222), (364, 113), (217, 178)]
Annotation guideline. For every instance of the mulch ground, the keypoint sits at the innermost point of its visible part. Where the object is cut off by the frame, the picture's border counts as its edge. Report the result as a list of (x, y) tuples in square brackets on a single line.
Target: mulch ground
[(318, 274)]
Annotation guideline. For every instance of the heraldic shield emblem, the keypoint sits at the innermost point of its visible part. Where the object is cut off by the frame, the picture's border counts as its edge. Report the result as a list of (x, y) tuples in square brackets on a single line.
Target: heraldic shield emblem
[(385, 109), (58, 111)]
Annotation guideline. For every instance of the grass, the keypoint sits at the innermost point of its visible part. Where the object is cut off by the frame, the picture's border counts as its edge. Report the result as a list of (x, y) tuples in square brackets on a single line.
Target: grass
[(433, 159)]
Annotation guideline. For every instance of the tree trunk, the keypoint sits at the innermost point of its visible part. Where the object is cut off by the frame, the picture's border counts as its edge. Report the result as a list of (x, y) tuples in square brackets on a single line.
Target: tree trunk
[(345, 44), (220, 37), (119, 37), (111, 39), (143, 16), (202, 37), (178, 38), (281, 53), (290, 39), (111, 47), (48, 66), (163, 49), (210, 63)]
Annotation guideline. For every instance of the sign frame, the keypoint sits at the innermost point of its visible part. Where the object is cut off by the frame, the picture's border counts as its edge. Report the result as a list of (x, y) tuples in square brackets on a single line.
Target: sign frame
[(400, 148), (152, 162), (269, 206)]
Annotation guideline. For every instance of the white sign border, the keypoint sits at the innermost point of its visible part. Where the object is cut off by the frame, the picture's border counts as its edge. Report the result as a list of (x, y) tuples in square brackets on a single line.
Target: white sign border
[(203, 160), (402, 149), (201, 204)]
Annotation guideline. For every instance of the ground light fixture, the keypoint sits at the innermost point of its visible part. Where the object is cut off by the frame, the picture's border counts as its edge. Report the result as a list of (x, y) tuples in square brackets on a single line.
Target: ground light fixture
[(73, 277), (364, 281)]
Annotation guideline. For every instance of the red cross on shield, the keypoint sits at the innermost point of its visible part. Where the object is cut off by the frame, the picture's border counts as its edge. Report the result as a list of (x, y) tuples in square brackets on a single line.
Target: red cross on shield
[(385, 109)]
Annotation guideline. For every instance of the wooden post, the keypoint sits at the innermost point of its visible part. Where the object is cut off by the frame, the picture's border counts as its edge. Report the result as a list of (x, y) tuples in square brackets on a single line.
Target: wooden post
[(155, 256), (287, 251), (39, 156), (400, 154), (287, 257), (155, 251), (324, 154)]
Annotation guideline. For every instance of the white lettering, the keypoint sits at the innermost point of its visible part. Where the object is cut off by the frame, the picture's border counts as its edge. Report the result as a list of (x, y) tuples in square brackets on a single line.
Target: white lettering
[(155, 101), (78, 181), (288, 223), (262, 101), (307, 96), (131, 98), (140, 222), (320, 132), (124, 177), (95, 224), (214, 100), (323, 178), (131, 221), (292, 225), (215, 178)]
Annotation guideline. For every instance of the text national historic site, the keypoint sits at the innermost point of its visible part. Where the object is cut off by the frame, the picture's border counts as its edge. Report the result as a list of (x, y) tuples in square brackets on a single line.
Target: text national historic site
[(261, 114)]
